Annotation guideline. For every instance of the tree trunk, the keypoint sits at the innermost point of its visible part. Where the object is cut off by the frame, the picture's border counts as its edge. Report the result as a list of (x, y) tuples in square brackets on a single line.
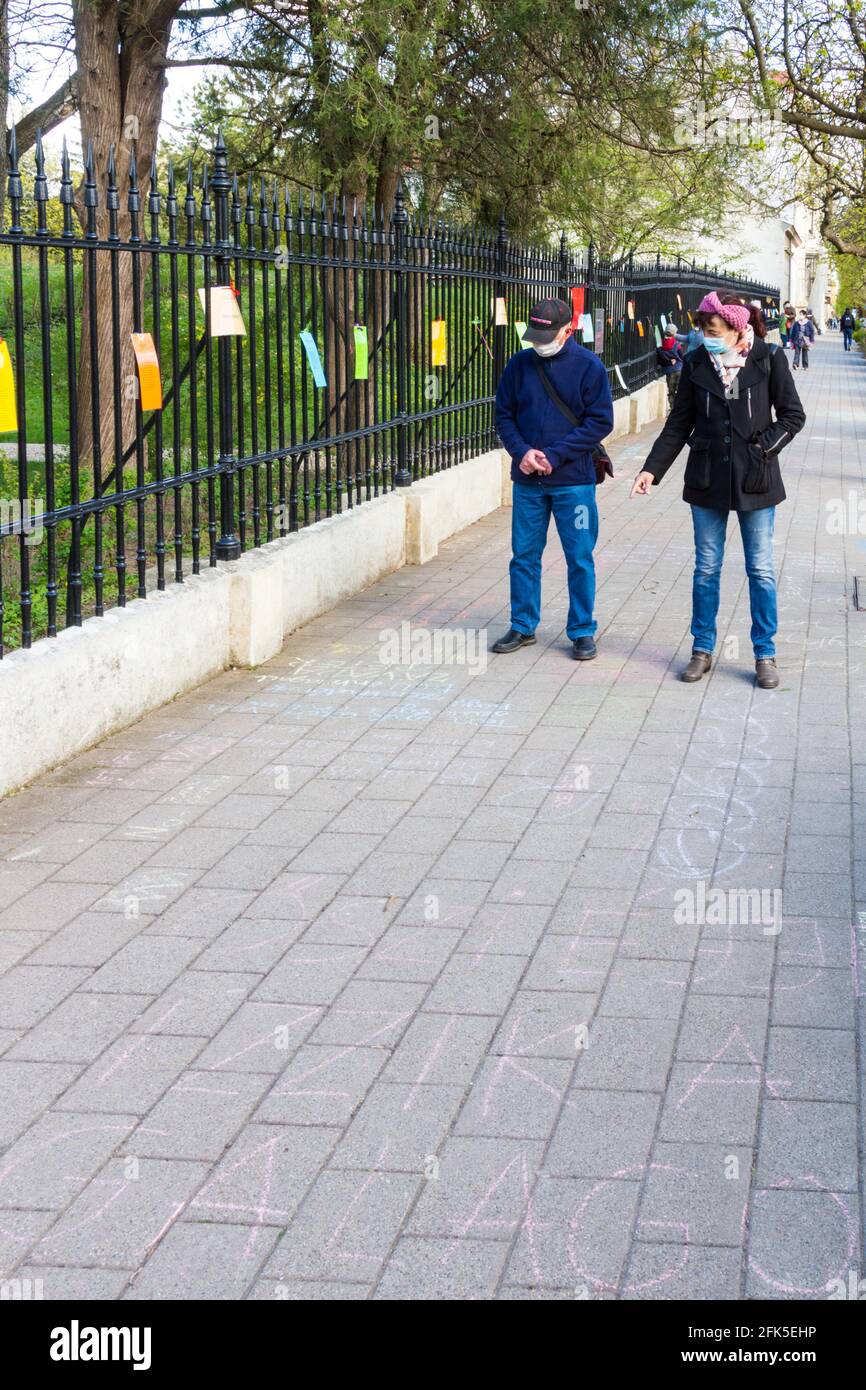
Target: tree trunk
[(120, 87)]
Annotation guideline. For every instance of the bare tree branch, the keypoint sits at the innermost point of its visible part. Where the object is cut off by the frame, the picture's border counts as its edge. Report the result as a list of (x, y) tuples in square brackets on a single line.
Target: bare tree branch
[(48, 114)]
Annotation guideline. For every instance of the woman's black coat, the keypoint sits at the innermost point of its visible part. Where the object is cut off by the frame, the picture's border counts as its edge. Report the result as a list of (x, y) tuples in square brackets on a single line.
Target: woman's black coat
[(734, 443)]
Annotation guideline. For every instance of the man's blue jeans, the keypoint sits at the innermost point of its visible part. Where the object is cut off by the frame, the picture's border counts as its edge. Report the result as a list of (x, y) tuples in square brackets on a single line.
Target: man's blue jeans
[(847, 335), (756, 529), (576, 516)]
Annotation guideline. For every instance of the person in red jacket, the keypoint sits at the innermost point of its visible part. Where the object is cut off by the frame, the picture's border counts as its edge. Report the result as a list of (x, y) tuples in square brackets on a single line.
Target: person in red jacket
[(670, 359)]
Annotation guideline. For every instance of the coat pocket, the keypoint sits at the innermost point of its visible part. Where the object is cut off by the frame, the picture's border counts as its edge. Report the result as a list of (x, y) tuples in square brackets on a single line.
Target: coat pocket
[(758, 471), (697, 474)]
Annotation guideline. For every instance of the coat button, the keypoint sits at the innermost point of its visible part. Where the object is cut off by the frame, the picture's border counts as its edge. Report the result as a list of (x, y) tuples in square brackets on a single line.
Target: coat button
[(727, 439)]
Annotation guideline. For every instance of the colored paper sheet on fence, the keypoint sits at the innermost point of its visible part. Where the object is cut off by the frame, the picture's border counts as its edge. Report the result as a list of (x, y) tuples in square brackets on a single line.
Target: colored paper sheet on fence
[(621, 377), (640, 328), (663, 320), (147, 362), (226, 320), (658, 338), (520, 329), (500, 312), (630, 308), (587, 331), (679, 301), (438, 344), (599, 330), (578, 293), (8, 412), (362, 366), (315, 361)]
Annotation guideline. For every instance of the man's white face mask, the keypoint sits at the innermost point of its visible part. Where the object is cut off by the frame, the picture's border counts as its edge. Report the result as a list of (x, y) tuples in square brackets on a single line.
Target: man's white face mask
[(548, 349)]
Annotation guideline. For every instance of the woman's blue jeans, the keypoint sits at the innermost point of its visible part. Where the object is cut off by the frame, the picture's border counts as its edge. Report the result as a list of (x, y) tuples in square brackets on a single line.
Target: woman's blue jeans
[(576, 515), (756, 529)]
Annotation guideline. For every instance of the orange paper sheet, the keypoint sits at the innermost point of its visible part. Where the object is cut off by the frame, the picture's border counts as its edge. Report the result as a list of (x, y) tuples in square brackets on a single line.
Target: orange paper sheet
[(149, 383)]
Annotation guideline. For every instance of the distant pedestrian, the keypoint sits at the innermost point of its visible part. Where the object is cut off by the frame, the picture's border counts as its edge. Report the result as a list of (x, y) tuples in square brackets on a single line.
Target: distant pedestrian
[(772, 317), (802, 337), (847, 323), (669, 358), (692, 339), (553, 409), (736, 406)]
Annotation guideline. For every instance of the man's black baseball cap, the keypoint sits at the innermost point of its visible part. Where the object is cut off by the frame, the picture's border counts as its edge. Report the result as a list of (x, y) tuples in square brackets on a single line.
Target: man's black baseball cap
[(546, 319)]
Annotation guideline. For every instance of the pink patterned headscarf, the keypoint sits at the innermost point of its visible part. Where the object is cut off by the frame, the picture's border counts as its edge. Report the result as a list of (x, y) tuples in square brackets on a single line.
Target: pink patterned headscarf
[(735, 315)]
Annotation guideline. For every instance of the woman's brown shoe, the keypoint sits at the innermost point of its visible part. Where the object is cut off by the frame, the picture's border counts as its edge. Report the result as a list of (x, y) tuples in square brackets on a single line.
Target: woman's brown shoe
[(766, 675), (698, 666)]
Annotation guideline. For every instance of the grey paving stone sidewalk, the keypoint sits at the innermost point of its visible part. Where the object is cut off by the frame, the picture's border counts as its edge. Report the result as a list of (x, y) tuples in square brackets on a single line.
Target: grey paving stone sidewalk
[(347, 979)]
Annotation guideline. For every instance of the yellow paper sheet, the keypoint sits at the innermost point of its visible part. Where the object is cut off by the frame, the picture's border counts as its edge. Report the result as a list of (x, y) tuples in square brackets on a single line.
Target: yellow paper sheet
[(8, 411), (438, 343), (501, 313)]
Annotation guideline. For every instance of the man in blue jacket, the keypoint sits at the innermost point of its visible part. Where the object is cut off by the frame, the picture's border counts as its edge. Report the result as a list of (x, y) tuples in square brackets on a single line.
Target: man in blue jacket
[(552, 469)]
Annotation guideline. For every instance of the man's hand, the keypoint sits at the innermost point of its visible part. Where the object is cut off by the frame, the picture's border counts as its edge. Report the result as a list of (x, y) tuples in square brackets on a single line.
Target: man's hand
[(534, 461), (642, 484)]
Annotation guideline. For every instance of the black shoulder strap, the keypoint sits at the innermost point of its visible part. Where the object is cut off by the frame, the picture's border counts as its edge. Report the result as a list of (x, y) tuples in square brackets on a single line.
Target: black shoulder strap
[(552, 391), (772, 348)]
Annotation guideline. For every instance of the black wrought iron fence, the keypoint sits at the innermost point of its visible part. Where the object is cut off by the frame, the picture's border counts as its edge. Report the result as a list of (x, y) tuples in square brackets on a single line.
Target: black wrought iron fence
[(361, 353)]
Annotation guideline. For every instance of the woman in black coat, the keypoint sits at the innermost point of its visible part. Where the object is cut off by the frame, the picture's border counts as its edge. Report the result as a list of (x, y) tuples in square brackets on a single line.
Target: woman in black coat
[(736, 407)]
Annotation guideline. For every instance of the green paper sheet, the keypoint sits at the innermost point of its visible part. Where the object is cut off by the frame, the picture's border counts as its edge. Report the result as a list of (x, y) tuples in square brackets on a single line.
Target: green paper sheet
[(361, 364)]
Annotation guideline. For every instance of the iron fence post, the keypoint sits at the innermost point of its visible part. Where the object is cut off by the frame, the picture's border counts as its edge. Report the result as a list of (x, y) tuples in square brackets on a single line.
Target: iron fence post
[(228, 546), (500, 350), (399, 218), (563, 266)]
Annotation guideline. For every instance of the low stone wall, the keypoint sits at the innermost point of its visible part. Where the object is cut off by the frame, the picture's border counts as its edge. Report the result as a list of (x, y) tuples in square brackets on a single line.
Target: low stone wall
[(68, 692)]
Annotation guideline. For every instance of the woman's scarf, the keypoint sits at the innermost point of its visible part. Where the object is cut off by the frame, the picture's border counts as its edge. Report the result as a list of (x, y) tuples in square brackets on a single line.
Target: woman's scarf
[(727, 364)]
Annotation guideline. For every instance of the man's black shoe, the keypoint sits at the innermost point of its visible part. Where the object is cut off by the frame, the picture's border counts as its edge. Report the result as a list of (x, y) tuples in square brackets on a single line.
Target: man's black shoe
[(584, 649), (513, 640)]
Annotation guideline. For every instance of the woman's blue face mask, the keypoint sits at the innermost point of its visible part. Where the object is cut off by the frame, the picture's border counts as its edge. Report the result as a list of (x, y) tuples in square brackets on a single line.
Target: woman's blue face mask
[(715, 344)]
